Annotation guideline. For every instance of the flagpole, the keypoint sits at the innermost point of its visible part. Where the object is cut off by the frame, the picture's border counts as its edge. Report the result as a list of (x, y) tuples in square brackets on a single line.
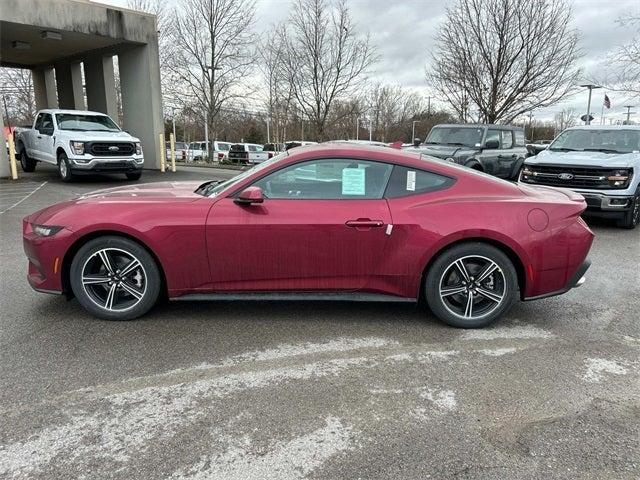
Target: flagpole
[(602, 111)]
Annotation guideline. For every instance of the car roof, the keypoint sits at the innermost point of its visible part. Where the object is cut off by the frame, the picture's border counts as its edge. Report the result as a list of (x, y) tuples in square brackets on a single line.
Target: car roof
[(78, 112), (478, 125), (605, 127)]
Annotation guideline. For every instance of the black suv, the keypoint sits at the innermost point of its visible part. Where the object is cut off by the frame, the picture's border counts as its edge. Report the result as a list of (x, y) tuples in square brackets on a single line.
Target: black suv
[(495, 149)]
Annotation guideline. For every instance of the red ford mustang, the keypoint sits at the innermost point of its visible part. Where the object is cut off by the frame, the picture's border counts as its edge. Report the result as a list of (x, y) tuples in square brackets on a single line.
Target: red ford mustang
[(337, 222)]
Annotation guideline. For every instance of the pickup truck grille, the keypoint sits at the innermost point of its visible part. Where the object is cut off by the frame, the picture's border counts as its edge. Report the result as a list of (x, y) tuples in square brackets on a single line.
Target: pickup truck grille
[(570, 177), (111, 149)]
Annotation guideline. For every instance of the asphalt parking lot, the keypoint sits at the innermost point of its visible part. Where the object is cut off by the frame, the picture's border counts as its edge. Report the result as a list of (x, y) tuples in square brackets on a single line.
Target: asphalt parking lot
[(315, 389)]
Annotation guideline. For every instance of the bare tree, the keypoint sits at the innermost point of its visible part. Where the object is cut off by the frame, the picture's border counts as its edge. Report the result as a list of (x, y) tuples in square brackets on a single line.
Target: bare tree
[(325, 59), (505, 57), (212, 57), (18, 94), (392, 107), (278, 91), (565, 119)]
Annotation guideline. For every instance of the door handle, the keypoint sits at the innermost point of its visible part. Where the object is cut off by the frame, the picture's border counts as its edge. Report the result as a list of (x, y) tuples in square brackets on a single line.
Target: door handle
[(39, 136), (364, 223)]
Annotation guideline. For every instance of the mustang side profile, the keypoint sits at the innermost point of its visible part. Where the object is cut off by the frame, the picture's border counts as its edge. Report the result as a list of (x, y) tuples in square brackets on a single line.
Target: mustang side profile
[(331, 222)]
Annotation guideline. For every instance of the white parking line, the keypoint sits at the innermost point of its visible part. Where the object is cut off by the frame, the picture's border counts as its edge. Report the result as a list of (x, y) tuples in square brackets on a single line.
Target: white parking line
[(23, 198)]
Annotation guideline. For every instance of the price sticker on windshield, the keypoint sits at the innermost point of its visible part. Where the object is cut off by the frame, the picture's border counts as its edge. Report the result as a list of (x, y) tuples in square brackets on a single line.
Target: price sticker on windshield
[(411, 181)]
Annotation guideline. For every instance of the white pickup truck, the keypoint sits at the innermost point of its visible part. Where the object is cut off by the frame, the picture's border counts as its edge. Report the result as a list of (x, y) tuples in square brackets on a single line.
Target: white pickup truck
[(79, 142)]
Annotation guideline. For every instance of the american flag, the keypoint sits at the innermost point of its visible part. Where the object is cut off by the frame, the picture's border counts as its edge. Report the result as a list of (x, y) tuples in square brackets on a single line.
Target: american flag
[(607, 102)]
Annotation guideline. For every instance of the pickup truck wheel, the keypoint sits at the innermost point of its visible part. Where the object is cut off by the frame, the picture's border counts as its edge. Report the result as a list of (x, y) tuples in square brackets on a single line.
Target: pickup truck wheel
[(28, 164), (631, 219), (64, 168), (133, 175)]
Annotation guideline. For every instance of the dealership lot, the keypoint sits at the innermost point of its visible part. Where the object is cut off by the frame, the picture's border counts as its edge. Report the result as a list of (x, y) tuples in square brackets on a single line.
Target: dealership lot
[(314, 389)]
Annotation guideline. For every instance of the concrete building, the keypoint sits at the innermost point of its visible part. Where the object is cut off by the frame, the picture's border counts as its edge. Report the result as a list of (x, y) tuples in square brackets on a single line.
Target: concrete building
[(70, 45)]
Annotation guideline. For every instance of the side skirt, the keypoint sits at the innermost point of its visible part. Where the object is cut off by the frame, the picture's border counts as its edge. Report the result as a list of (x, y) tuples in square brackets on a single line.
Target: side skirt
[(295, 296)]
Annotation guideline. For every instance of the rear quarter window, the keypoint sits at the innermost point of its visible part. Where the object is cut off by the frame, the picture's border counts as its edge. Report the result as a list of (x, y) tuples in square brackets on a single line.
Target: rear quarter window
[(405, 181), (519, 138)]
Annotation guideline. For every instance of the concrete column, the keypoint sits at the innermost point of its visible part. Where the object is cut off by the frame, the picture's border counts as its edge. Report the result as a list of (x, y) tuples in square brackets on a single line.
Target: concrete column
[(5, 171), (44, 86), (78, 87), (101, 85), (69, 84), (142, 99)]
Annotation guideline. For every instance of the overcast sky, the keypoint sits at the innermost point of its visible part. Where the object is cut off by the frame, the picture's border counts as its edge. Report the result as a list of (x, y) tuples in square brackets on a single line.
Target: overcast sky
[(403, 31)]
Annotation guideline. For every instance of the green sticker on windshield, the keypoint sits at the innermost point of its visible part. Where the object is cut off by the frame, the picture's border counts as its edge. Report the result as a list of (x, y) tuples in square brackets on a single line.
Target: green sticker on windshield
[(353, 181)]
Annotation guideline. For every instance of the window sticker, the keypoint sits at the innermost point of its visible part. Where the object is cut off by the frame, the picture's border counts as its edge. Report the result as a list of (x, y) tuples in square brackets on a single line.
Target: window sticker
[(353, 181), (411, 181)]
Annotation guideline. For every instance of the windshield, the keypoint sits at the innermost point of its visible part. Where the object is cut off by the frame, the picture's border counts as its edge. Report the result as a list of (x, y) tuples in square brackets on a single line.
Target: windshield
[(85, 123), (465, 136), (606, 141), (223, 146), (213, 188)]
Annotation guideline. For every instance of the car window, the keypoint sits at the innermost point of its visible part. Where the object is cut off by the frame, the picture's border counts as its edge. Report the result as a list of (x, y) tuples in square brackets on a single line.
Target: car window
[(47, 121), (507, 139), (328, 179), (406, 181), (38, 123), (492, 135), (519, 136)]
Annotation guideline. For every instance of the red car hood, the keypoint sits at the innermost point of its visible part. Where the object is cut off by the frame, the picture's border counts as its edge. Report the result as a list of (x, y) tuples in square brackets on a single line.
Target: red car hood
[(162, 192), (145, 191)]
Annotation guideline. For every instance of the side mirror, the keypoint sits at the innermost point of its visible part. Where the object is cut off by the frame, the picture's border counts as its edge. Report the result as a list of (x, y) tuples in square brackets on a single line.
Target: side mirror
[(492, 144), (249, 196), (416, 142)]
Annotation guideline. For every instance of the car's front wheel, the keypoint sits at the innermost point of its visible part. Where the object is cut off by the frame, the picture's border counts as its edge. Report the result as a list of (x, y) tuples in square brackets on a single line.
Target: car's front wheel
[(115, 278), (64, 168), (471, 285), (631, 218)]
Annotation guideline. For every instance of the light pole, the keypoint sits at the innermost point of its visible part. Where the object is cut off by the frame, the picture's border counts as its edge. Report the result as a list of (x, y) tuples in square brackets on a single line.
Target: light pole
[(591, 87), (357, 127), (212, 69), (413, 128), (268, 135), (628, 107)]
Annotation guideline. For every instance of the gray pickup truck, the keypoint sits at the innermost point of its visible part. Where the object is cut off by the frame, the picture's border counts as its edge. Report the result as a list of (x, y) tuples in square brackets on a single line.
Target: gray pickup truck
[(494, 149)]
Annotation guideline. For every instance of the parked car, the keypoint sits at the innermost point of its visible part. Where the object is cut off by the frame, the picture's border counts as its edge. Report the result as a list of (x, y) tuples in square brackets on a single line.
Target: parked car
[(272, 149), (181, 149), (340, 222), (495, 149), (79, 142), (247, 153), (602, 163)]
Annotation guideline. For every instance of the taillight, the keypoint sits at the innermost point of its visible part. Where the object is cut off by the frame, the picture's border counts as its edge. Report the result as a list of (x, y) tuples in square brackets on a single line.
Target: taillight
[(221, 155), (270, 154)]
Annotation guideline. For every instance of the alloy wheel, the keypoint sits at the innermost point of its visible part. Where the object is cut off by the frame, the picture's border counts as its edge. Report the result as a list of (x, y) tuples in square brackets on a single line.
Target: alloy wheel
[(114, 279), (63, 168), (472, 287)]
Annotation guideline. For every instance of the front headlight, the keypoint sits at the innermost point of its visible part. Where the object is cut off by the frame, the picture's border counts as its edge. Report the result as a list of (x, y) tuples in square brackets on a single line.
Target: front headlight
[(619, 178), (77, 148), (45, 230), (138, 148)]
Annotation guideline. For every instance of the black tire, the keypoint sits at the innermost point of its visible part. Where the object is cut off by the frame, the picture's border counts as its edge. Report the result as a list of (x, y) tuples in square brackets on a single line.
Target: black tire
[(476, 256), (631, 219), (28, 164), (133, 175), (64, 168), (143, 279)]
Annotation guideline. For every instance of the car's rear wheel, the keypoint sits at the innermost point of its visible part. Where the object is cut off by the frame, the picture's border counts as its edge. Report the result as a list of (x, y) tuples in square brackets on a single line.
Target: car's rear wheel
[(631, 219), (27, 163), (471, 285), (115, 278), (64, 168)]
